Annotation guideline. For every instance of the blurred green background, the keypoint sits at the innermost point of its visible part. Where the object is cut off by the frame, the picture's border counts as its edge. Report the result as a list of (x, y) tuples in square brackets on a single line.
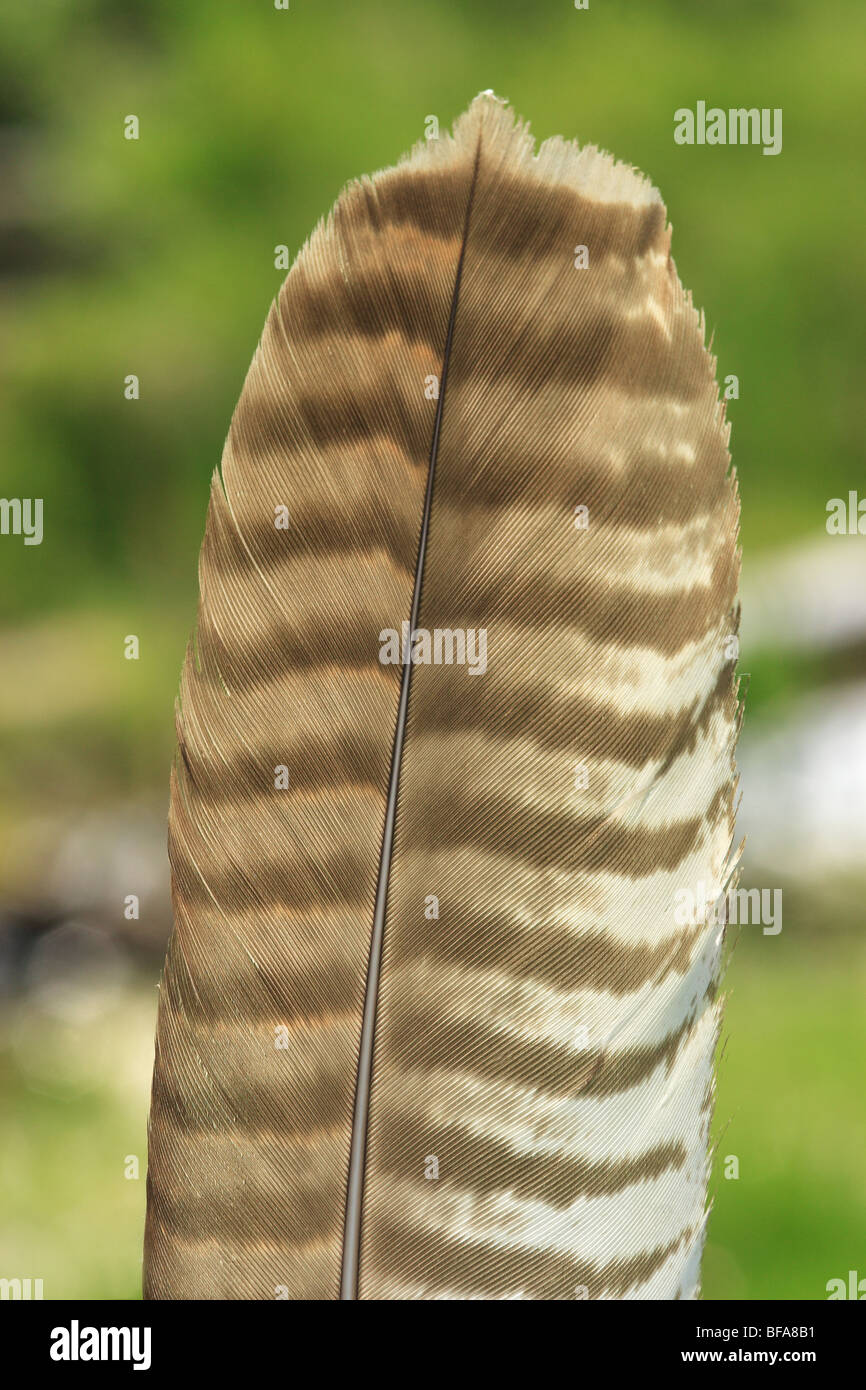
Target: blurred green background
[(156, 257)]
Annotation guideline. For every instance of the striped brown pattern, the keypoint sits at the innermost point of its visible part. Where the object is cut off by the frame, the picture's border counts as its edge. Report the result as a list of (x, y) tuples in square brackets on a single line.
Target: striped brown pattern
[(541, 1065)]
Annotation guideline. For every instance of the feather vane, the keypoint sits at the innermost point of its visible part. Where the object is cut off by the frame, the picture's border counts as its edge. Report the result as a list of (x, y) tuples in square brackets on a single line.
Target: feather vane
[(429, 1025)]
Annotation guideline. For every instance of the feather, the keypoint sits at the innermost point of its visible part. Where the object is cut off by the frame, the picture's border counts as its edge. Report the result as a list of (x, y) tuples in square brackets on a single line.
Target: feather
[(431, 1024)]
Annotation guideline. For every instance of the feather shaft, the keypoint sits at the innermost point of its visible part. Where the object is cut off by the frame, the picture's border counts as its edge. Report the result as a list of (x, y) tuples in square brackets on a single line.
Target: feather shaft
[(355, 1184)]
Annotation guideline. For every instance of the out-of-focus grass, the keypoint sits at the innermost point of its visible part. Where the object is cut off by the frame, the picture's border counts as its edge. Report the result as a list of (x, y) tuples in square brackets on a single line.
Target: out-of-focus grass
[(74, 1100), (789, 1107)]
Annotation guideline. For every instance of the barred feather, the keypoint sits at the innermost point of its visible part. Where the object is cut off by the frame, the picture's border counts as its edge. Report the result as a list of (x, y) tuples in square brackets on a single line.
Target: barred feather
[(545, 1042)]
